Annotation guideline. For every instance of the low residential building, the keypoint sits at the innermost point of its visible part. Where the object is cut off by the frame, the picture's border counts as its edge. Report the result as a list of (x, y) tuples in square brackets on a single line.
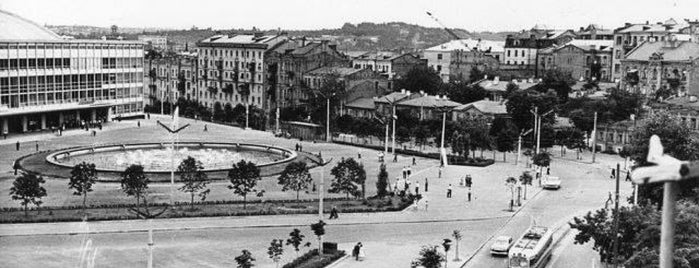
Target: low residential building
[(522, 48), (359, 83), (613, 137), (496, 89), (482, 108), (669, 64), (686, 108), (361, 107), (594, 32), (426, 107), (464, 61), (583, 59), (385, 104), (442, 56)]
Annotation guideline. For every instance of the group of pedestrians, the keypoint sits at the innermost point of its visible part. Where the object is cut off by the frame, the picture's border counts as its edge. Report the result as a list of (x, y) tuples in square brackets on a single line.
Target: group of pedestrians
[(358, 252), (299, 147), (613, 175)]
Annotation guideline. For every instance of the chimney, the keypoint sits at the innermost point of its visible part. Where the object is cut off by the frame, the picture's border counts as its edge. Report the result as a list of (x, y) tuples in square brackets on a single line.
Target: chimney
[(422, 92), (407, 92), (647, 22), (402, 91)]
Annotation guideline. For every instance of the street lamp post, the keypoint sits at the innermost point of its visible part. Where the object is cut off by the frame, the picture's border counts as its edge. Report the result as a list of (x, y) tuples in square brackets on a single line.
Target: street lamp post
[(327, 121)]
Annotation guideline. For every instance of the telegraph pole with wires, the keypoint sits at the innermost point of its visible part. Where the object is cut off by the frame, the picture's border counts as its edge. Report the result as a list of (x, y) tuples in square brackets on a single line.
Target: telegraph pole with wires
[(594, 138), (616, 218)]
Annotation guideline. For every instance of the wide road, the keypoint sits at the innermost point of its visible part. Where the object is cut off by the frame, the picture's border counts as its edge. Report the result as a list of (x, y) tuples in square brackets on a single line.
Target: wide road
[(585, 187), (218, 247)]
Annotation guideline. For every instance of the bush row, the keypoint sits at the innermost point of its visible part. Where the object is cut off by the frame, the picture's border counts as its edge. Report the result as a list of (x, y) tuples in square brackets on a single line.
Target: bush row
[(457, 160), (310, 260)]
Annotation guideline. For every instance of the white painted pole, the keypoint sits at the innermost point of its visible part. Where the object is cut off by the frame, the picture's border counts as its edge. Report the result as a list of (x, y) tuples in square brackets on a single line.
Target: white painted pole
[(327, 122), (393, 118)]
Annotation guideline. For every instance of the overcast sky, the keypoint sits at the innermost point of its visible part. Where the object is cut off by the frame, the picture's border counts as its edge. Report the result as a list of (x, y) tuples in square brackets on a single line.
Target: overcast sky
[(481, 15)]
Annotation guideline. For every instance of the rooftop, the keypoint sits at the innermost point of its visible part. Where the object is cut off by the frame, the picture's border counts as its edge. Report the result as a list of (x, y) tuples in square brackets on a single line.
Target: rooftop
[(394, 97), (341, 71), (670, 26), (362, 103), (429, 101), (17, 28), (485, 106), (240, 40), (667, 50), (470, 44), (497, 85), (589, 45)]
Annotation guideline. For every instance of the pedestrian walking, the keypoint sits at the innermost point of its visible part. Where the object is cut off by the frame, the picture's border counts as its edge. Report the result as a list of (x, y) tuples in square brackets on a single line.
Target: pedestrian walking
[(355, 250), (414, 163), (361, 255), (449, 191), (426, 204), (407, 185), (37, 146), (139, 124), (613, 175), (205, 128), (469, 194), (148, 116), (548, 170), (426, 184), (440, 172), (359, 155), (628, 176), (417, 189), (403, 171), (334, 213), (17, 145), (15, 166), (395, 158), (410, 171)]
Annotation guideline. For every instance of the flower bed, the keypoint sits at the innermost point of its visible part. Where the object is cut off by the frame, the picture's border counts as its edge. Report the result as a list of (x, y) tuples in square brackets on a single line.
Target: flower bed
[(311, 260), (453, 159)]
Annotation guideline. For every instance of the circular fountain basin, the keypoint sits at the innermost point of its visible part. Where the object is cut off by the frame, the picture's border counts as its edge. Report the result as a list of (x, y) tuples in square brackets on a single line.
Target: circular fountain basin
[(162, 157)]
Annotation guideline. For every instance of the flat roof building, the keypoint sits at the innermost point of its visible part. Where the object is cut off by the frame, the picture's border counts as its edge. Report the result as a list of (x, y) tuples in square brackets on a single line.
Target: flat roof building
[(46, 81)]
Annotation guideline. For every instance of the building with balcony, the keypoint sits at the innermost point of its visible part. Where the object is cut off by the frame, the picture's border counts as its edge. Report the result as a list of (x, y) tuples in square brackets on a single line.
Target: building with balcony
[(522, 48), (389, 64), (46, 81), (358, 83), (172, 77)]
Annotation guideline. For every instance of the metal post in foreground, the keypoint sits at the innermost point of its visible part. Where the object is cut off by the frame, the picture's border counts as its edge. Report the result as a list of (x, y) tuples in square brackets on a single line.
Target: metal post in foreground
[(594, 138), (327, 122), (616, 219), (667, 227)]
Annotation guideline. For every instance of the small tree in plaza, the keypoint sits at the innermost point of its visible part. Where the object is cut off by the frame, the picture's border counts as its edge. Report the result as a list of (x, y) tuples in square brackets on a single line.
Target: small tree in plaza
[(295, 239), (511, 184), (27, 188), (295, 177), (275, 250), (382, 182), (195, 180), (82, 177), (541, 160), (245, 260), (525, 179), (430, 257), (319, 230), (349, 176), (135, 183), (243, 176), (457, 237)]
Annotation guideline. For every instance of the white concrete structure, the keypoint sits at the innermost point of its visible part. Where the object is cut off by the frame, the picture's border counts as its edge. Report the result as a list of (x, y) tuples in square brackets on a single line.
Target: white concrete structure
[(46, 81)]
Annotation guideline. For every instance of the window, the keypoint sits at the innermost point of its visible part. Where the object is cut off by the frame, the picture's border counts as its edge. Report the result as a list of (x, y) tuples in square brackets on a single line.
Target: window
[(508, 54), (439, 56), (439, 68), (516, 53)]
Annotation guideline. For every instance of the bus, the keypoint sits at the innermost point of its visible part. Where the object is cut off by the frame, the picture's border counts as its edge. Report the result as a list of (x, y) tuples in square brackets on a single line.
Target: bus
[(532, 250)]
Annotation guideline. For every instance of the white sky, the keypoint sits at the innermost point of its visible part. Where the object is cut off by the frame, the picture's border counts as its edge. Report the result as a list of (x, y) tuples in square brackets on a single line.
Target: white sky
[(492, 15)]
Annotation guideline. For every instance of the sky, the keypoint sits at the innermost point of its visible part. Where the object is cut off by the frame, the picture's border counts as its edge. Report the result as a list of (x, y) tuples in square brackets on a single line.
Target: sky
[(490, 15)]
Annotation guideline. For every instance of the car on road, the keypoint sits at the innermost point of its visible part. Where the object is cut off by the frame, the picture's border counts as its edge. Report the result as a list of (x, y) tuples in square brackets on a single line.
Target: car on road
[(501, 245), (551, 182)]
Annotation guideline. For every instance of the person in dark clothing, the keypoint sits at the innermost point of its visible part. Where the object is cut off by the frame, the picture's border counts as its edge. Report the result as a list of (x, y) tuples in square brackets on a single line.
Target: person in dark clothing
[(205, 128), (426, 184), (628, 176), (355, 252), (613, 174), (139, 124), (334, 213), (17, 145), (548, 170), (37, 146)]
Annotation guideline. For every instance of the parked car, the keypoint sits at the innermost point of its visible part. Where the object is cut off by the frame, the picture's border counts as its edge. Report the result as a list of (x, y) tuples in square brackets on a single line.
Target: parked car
[(501, 245), (551, 182)]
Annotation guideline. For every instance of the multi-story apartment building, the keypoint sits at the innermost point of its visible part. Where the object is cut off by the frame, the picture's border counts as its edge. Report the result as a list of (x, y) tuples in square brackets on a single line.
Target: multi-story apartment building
[(154, 41), (359, 83), (669, 64), (231, 69), (172, 77), (442, 56), (583, 59), (288, 61), (522, 48), (46, 81), (389, 64), (632, 35)]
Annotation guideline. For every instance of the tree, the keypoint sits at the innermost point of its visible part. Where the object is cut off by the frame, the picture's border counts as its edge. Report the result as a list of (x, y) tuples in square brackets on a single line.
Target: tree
[(245, 260), (558, 81), (319, 230), (243, 177), (27, 188), (218, 111), (510, 89), (82, 177), (525, 179), (349, 176), (275, 251), (430, 257), (542, 159), (195, 180), (677, 141), (505, 142), (295, 239), (135, 183), (295, 177), (521, 103), (465, 93), (382, 182), (511, 183), (574, 139), (417, 79)]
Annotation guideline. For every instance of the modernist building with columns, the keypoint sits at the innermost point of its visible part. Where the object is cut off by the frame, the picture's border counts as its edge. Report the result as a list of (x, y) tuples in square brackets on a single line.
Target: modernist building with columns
[(46, 81)]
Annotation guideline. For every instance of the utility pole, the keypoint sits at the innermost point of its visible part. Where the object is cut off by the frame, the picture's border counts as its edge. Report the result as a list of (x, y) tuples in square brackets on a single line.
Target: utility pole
[(393, 118), (327, 122), (385, 144), (519, 149), (538, 133), (536, 124), (616, 218), (594, 138)]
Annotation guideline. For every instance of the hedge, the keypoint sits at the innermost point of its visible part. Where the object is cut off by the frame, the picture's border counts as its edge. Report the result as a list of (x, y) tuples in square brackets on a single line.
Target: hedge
[(310, 260), (457, 160)]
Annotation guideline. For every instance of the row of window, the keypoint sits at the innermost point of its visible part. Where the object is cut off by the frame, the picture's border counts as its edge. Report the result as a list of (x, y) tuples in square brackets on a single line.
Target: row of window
[(46, 98), (50, 46), (230, 53), (74, 63), (516, 53), (65, 82), (634, 40)]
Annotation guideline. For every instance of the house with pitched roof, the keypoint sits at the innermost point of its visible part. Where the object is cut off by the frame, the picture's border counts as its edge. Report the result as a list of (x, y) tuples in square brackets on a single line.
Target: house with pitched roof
[(482, 108)]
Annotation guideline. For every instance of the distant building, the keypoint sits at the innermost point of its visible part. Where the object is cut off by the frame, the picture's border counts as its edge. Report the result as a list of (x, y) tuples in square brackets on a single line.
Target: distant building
[(463, 62), (669, 64), (359, 83), (389, 64), (594, 32), (522, 48), (442, 56), (172, 77), (426, 107), (583, 59), (154, 41), (482, 108), (496, 89), (630, 36), (47, 81)]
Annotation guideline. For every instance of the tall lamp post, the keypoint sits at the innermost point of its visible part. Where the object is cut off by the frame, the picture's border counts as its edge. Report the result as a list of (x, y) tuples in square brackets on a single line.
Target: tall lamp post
[(321, 189), (174, 129), (444, 109), (327, 115)]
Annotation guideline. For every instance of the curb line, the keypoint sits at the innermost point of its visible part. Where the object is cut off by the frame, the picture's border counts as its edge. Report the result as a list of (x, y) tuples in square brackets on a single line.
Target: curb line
[(337, 262)]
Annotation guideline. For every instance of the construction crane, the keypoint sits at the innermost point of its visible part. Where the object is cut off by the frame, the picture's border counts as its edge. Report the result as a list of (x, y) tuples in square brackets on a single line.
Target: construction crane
[(443, 26)]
